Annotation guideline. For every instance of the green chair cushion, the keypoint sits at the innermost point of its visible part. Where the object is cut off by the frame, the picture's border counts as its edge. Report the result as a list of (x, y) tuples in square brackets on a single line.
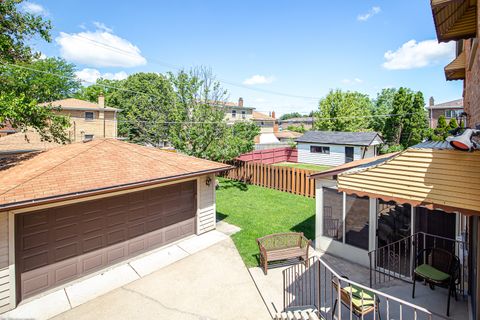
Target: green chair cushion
[(357, 294), (429, 272)]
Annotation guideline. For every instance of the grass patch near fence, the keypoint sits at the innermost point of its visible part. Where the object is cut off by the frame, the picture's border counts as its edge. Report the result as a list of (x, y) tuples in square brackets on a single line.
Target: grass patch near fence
[(259, 211), (306, 166)]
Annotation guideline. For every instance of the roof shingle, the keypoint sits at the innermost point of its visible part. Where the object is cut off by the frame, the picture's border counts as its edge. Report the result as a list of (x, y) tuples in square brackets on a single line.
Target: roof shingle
[(340, 138), (101, 164)]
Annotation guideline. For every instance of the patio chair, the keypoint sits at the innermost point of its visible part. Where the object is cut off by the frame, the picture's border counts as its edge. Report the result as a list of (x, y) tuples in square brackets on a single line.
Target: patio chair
[(361, 301), (440, 267)]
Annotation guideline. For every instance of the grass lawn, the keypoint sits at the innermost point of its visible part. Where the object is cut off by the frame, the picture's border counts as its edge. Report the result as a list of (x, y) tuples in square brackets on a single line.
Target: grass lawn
[(307, 166), (260, 211)]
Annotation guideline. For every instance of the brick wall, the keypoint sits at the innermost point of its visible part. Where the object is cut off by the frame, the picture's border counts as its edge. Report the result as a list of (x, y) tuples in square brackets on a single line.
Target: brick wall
[(471, 87), (79, 127)]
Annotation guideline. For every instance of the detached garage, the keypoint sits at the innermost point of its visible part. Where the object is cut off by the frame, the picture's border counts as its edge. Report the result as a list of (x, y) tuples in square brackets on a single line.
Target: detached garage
[(75, 210)]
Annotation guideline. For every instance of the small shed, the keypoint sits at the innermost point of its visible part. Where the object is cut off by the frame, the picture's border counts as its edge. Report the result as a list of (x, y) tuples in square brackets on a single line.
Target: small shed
[(335, 148)]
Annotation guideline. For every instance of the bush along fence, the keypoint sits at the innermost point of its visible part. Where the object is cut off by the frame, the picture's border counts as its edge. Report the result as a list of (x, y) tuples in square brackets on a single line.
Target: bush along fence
[(285, 179)]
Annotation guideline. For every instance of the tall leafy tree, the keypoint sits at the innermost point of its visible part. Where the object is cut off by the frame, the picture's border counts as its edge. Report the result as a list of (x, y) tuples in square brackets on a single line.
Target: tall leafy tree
[(147, 101), (382, 106), (199, 127), (409, 122), (291, 115), (101, 86), (19, 99), (343, 111)]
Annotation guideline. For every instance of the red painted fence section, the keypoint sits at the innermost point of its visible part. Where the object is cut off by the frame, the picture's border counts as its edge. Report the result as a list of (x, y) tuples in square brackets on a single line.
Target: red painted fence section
[(269, 156)]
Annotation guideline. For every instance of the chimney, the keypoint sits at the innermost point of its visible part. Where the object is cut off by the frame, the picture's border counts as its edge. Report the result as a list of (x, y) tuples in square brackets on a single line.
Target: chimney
[(273, 114), (101, 100), (432, 102), (240, 102)]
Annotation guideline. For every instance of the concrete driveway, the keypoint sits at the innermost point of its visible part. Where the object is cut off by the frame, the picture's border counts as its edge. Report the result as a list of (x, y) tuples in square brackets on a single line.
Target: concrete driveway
[(210, 284)]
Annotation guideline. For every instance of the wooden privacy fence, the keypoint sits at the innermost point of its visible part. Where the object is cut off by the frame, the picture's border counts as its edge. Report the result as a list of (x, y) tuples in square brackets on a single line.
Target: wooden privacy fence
[(281, 178)]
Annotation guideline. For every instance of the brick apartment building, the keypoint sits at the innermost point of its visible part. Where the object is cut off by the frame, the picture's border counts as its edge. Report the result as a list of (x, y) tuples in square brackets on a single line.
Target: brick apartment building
[(459, 21)]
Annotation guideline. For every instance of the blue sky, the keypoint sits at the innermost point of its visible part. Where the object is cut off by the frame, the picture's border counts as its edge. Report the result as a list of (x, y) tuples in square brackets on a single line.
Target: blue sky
[(296, 48)]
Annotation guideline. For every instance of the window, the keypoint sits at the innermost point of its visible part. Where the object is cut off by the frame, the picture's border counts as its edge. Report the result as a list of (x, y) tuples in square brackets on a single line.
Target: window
[(88, 137), (318, 149), (244, 115), (88, 115), (332, 214), (349, 151), (453, 113), (356, 221), (262, 123), (234, 113)]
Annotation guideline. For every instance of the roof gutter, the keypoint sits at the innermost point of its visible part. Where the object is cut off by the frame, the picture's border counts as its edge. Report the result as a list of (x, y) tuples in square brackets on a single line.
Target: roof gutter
[(99, 191)]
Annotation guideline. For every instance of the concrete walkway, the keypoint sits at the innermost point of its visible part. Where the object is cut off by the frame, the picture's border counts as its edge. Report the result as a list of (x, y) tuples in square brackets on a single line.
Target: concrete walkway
[(196, 276), (211, 284)]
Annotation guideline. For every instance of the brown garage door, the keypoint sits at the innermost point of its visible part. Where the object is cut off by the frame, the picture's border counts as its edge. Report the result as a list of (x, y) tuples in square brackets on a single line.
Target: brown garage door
[(57, 245)]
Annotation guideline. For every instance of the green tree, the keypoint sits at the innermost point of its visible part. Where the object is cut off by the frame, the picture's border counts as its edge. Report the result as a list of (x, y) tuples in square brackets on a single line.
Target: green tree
[(17, 28), (101, 86), (291, 115), (19, 105), (41, 80), (199, 127), (382, 105), (343, 111), (409, 122), (441, 130), (300, 128), (147, 101), (452, 124)]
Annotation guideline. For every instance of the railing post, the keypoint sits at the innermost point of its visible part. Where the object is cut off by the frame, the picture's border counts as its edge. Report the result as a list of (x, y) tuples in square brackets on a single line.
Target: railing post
[(370, 259)]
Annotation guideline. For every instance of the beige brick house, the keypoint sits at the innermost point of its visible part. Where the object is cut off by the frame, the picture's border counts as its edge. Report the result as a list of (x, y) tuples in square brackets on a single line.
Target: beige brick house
[(88, 120)]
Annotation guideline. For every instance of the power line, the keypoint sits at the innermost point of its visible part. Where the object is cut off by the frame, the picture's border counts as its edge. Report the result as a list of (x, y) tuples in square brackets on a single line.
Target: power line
[(178, 68), (159, 97)]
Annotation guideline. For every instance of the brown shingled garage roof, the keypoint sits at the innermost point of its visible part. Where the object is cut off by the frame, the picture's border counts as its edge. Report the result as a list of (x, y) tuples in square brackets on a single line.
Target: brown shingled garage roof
[(94, 167)]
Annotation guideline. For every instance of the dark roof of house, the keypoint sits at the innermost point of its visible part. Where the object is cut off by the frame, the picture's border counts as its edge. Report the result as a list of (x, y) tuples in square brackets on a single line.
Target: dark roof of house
[(340, 138), (457, 104)]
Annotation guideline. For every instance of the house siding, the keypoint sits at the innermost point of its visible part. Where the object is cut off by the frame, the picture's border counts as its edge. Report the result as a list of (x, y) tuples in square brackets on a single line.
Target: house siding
[(336, 156), (206, 204), (6, 298), (79, 127)]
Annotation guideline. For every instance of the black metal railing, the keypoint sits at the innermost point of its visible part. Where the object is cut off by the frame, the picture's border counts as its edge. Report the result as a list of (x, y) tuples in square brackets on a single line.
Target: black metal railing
[(316, 285), (397, 259)]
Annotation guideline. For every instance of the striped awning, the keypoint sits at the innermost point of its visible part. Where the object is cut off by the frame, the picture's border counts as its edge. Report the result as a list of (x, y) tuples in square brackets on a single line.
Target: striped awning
[(455, 70), (454, 19), (445, 179)]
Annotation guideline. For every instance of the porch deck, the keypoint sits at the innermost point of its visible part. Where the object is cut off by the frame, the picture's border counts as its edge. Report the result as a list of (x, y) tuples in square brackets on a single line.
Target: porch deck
[(271, 288)]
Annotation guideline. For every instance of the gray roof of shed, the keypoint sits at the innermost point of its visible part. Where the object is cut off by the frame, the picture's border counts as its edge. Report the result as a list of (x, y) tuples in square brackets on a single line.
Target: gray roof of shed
[(340, 138)]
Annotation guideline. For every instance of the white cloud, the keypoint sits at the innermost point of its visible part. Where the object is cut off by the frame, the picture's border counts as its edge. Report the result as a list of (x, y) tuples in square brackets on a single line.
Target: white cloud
[(413, 54), (258, 79), (352, 81), (102, 26), (99, 48), (373, 11), (91, 75), (34, 8)]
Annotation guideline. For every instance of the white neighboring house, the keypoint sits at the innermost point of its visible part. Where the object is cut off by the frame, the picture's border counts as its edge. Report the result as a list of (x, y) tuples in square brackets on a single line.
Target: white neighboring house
[(335, 148)]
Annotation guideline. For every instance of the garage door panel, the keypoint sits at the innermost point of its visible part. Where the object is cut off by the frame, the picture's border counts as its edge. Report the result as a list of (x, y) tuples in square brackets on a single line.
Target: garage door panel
[(35, 260), (35, 240), (116, 236), (65, 250), (93, 242), (65, 232), (58, 245)]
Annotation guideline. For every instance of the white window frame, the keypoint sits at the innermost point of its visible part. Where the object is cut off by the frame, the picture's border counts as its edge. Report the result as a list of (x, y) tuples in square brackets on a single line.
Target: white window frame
[(244, 115), (324, 149), (88, 136), (234, 113)]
